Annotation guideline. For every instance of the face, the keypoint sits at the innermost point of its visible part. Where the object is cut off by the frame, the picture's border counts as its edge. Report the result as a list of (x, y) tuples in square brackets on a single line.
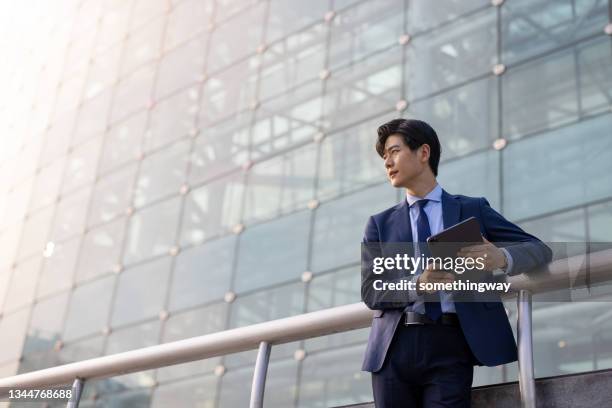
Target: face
[(403, 165)]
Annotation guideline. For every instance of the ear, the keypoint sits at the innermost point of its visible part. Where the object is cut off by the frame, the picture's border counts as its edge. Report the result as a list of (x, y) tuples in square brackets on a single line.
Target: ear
[(425, 152)]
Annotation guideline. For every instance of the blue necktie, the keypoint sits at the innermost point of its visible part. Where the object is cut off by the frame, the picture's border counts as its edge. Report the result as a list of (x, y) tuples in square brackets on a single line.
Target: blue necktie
[(433, 310)]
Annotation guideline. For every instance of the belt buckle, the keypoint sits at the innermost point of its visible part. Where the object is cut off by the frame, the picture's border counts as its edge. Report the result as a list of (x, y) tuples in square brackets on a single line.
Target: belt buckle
[(415, 317)]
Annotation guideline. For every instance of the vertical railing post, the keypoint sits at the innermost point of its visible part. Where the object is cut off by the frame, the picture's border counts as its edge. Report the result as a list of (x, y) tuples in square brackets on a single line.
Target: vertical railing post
[(77, 390), (259, 376), (525, 350)]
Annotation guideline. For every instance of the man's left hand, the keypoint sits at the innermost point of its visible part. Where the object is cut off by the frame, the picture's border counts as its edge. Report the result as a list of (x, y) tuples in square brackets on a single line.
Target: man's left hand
[(493, 257)]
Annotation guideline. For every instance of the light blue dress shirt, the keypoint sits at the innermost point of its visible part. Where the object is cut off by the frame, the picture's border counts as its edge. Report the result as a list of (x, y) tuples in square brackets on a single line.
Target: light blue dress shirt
[(433, 209)]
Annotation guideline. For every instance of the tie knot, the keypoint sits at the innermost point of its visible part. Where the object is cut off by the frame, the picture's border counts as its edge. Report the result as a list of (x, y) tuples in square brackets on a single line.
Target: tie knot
[(421, 203)]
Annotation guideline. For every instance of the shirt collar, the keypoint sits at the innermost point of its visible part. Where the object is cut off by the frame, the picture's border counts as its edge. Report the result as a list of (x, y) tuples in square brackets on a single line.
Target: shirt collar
[(433, 195)]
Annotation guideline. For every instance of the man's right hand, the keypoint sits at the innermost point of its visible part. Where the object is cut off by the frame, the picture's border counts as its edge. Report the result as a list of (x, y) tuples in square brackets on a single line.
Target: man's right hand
[(432, 275)]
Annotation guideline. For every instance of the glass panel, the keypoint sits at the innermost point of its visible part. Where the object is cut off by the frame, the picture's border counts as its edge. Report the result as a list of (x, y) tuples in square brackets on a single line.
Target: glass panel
[(476, 175), (339, 226), (93, 116), (35, 232), (202, 274), (143, 45), (123, 142), (334, 378), (533, 27), (371, 87), (285, 18), (595, 76), (364, 29), (23, 284), (569, 226), (46, 324), (172, 118), (229, 91), (81, 165), (9, 241), (600, 223), (162, 173), (273, 252), (113, 25), (115, 396), (186, 19), (70, 215), (465, 118), (141, 292), (145, 10), (280, 185), (196, 392), (212, 209), (539, 95), (452, 54), (89, 308), (269, 304), (295, 59), (348, 160), (423, 15), (221, 148), (287, 120), (197, 322), (17, 204), (181, 67), (280, 392), (580, 172), (133, 93), (226, 8), (46, 185), (58, 269), (112, 195), (101, 250), (15, 324), (70, 90), (152, 231), (229, 44)]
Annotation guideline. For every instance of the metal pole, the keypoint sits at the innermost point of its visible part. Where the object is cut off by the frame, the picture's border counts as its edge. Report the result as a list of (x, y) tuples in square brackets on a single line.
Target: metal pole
[(259, 376), (525, 350), (77, 390)]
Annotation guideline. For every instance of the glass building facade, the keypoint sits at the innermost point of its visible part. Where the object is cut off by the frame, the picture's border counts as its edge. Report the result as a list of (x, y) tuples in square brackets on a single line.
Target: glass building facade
[(171, 168)]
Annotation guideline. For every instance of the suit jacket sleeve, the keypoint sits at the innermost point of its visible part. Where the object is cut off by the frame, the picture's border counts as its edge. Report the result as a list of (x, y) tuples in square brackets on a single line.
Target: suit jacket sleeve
[(527, 251)]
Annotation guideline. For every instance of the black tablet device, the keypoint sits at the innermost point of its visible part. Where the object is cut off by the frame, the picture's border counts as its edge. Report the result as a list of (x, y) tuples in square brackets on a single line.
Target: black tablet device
[(448, 242)]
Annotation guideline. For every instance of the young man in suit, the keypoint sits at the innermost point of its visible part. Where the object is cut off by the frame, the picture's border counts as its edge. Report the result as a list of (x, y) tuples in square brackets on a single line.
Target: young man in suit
[(422, 353)]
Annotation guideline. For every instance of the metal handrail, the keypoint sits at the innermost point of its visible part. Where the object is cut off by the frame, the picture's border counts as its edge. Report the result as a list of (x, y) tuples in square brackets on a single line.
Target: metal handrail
[(314, 324)]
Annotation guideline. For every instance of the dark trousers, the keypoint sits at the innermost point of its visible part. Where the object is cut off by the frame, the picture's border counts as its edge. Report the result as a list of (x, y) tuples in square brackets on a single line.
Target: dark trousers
[(426, 366)]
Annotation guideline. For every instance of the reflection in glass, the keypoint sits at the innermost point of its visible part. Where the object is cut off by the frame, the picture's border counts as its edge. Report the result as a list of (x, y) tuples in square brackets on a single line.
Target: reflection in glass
[(58, 270), (101, 250), (22, 284), (35, 232), (16, 324), (112, 195), (273, 252), (268, 304), (181, 67), (46, 323), (123, 142), (70, 215), (81, 165), (89, 308), (133, 93)]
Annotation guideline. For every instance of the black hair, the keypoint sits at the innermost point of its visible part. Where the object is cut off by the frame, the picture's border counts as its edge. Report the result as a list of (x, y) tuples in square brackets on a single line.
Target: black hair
[(415, 133)]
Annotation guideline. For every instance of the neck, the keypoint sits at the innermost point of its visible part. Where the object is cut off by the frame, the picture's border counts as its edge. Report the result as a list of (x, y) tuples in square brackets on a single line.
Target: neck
[(422, 186)]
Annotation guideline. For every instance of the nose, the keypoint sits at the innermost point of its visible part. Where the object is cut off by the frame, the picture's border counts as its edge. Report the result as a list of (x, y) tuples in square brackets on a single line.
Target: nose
[(388, 163)]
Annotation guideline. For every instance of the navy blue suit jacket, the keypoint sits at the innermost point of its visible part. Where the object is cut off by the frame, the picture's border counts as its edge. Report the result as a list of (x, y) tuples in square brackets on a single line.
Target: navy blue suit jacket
[(484, 324)]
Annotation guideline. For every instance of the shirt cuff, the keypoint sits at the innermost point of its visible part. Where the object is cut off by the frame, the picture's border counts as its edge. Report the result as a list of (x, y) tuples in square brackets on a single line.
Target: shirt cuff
[(509, 261)]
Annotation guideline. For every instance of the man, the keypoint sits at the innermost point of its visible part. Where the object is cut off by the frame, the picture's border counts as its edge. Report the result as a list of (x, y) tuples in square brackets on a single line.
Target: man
[(422, 353)]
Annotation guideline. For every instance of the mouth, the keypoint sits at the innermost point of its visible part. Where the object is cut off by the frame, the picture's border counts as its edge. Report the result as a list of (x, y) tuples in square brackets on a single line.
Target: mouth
[(392, 174)]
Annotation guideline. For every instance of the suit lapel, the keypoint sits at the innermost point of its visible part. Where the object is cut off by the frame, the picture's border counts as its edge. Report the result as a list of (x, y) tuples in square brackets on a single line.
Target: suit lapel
[(451, 210), (402, 221)]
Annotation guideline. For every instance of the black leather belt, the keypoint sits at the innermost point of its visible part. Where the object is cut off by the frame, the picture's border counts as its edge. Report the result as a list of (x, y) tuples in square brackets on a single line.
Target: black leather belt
[(416, 319)]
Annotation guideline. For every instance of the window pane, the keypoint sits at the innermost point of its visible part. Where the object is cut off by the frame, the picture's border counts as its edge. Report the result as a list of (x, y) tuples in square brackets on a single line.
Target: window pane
[(89, 308), (101, 250), (202, 274), (133, 93), (112, 195), (123, 142), (58, 269), (141, 292), (171, 119), (285, 18), (16, 324), (22, 285), (280, 185), (46, 323), (339, 226), (348, 160), (35, 232), (451, 54), (595, 76), (533, 27), (423, 15), (81, 165), (162, 173), (273, 252), (181, 67), (270, 304), (212, 209), (152, 231), (70, 215), (93, 116), (539, 95), (46, 185), (600, 223), (200, 391), (186, 19), (580, 172), (476, 175), (465, 118), (143, 45)]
